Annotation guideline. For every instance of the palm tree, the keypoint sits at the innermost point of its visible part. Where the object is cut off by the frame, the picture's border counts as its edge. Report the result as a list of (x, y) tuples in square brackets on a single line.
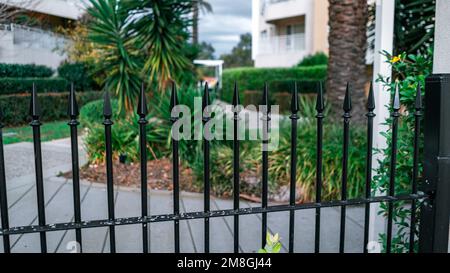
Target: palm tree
[(198, 5), (139, 38), (347, 49)]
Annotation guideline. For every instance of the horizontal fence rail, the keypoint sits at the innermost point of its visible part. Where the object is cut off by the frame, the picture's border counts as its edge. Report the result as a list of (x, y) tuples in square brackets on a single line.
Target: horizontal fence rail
[(145, 219)]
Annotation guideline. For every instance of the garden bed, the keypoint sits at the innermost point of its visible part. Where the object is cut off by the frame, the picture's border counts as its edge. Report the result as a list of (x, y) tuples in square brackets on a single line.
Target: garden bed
[(160, 178)]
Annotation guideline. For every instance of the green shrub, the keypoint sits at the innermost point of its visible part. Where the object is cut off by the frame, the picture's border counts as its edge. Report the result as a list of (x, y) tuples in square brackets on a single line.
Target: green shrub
[(92, 112), (24, 71), (25, 85), (125, 139), (316, 59), (254, 79), (126, 130), (76, 73), (409, 70), (279, 160), (53, 106)]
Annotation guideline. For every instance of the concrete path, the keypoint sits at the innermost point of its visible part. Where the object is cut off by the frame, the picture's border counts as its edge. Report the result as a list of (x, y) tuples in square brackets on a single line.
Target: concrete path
[(59, 208)]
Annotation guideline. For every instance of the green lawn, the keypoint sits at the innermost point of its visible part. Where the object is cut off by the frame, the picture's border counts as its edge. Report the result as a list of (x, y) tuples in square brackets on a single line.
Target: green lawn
[(49, 131)]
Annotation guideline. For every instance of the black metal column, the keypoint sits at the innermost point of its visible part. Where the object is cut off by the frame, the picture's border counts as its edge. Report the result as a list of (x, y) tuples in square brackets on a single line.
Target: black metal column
[(435, 212)]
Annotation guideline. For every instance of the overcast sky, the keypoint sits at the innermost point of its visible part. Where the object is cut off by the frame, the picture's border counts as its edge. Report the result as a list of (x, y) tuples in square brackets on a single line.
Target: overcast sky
[(222, 28)]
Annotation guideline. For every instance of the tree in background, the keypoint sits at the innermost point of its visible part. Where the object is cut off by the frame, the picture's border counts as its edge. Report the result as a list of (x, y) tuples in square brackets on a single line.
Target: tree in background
[(347, 50), (241, 55), (206, 51), (139, 39), (197, 6)]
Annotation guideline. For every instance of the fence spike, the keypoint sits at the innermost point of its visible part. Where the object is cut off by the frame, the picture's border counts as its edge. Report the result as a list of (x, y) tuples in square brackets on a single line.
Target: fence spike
[(266, 101), (320, 104), (396, 104), (173, 97), (371, 99), (205, 101), (236, 95), (142, 104), (107, 109), (419, 97), (294, 101), (35, 110), (348, 100), (73, 105)]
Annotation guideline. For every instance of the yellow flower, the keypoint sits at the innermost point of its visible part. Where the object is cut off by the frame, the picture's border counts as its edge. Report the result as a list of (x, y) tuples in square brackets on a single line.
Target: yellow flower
[(396, 59)]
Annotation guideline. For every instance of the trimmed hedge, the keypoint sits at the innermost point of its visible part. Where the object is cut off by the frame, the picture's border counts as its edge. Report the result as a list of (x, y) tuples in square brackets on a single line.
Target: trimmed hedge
[(53, 106), (24, 85), (24, 71), (277, 78), (76, 73)]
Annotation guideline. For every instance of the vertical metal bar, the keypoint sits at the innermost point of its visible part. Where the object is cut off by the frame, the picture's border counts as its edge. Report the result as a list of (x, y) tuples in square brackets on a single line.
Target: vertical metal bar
[(347, 109), (236, 190), (206, 169), (142, 112), (3, 193), (370, 116), (73, 123), (417, 129), (395, 116), (320, 107), (107, 113), (294, 119), (175, 170), (36, 125), (265, 160), (434, 220)]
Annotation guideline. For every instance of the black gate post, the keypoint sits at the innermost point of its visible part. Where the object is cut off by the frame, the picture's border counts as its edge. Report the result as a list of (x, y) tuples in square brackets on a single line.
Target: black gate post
[(435, 212)]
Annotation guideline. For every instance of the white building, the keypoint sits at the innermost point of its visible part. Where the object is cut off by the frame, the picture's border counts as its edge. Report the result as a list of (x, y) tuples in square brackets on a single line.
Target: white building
[(24, 45), (285, 31)]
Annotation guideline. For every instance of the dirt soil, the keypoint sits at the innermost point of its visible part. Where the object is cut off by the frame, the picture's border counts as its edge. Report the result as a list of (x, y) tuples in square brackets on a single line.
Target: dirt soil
[(129, 175)]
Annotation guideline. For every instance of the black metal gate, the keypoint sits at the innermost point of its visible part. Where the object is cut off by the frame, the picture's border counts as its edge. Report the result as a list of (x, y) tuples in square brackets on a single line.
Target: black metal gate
[(434, 191)]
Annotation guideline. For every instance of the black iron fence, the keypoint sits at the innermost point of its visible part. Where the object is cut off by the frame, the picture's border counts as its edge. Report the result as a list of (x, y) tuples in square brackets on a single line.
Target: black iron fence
[(434, 191)]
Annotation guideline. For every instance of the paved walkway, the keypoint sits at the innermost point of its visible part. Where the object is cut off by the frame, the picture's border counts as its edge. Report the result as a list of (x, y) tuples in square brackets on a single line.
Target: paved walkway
[(59, 208)]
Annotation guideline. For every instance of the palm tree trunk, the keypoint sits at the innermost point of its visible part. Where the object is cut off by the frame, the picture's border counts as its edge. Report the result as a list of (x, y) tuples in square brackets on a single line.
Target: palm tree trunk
[(347, 48), (195, 13)]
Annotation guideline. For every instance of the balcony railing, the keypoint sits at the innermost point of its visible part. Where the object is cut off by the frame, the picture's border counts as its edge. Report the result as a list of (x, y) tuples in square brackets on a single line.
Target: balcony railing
[(282, 44), (34, 37)]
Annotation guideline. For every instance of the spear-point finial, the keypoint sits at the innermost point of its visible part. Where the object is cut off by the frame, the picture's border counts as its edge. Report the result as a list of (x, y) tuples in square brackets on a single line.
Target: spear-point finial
[(142, 104), (419, 98), (371, 99), (320, 104), (107, 109), (173, 96), (266, 101), (294, 100), (73, 105), (236, 95), (205, 101), (396, 104), (347, 100), (35, 110)]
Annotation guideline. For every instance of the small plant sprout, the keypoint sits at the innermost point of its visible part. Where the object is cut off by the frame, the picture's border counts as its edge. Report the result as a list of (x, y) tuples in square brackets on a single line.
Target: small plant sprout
[(273, 244)]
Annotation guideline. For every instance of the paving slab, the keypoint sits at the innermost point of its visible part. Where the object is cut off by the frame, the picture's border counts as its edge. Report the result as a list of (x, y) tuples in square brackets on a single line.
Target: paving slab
[(220, 239)]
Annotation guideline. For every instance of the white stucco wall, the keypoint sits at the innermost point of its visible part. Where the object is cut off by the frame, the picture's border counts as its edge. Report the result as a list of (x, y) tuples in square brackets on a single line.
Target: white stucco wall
[(28, 53), (441, 63)]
